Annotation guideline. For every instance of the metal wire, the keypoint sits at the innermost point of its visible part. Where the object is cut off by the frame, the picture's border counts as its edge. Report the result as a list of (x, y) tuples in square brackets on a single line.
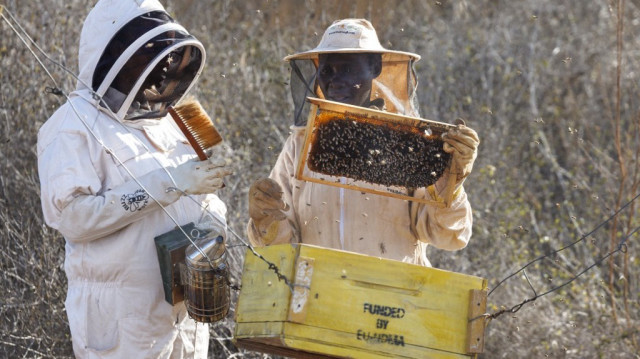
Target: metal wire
[(622, 247), (584, 237)]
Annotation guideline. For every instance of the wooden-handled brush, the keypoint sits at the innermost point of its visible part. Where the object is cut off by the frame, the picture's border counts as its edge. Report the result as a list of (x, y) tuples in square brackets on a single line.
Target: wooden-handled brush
[(196, 126)]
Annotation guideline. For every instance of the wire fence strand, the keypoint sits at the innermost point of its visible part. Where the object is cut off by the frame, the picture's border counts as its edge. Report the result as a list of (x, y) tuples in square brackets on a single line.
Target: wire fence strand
[(621, 247)]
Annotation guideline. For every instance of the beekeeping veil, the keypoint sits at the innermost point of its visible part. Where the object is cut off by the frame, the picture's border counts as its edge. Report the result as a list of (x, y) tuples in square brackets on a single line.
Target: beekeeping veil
[(136, 58), (396, 84)]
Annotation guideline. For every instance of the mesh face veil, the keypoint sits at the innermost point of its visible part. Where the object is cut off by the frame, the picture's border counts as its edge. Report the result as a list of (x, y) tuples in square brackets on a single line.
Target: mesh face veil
[(396, 84), (148, 66)]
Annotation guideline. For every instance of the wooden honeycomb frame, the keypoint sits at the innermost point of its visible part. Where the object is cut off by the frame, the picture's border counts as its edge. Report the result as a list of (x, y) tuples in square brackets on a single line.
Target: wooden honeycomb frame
[(320, 108)]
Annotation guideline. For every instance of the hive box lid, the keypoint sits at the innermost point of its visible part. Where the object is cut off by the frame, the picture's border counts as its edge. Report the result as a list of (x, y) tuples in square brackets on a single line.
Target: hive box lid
[(343, 304)]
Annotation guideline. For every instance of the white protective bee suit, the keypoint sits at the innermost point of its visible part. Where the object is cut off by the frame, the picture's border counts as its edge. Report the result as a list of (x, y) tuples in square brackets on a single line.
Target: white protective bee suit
[(351, 220), (104, 184)]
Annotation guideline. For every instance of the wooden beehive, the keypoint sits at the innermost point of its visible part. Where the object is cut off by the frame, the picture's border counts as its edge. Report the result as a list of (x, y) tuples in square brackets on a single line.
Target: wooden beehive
[(348, 305), (374, 151)]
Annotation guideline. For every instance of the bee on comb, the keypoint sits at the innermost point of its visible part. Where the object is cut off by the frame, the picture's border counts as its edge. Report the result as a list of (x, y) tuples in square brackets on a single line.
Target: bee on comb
[(196, 125), (374, 151)]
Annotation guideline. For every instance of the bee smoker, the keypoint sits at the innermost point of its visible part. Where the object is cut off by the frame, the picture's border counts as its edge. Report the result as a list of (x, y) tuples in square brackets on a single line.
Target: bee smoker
[(194, 269), (206, 279)]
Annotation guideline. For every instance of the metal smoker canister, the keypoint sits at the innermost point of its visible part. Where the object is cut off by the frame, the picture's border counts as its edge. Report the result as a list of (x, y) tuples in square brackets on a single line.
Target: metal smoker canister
[(207, 280)]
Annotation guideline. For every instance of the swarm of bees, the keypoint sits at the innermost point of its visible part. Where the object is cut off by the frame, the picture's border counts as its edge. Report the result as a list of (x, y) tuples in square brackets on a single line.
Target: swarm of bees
[(403, 156)]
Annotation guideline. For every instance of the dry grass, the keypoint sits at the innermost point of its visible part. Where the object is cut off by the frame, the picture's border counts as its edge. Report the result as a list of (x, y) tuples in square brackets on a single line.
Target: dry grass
[(536, 79)]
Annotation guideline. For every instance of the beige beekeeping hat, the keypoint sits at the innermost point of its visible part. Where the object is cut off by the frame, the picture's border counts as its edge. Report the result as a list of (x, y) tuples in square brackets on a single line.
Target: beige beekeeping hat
[(350, 36)]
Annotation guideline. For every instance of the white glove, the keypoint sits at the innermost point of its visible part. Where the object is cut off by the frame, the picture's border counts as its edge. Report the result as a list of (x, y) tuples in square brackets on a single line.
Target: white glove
[(201, 177)]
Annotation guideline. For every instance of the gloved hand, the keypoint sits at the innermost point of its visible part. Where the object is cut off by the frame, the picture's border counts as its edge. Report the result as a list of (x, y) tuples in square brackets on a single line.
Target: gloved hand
[(201, 177), (462, 143), (265, 203)]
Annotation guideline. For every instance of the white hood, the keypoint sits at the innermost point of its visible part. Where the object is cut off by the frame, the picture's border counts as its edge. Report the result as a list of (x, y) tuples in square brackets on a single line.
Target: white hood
[(102, 56)]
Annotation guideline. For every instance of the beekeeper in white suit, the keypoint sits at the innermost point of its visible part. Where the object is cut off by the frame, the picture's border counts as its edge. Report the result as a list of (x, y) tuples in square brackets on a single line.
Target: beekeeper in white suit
[(350, 66), (109, 161)]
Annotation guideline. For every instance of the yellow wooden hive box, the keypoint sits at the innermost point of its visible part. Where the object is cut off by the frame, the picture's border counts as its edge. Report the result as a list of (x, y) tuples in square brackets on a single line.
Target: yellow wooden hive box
[(349, 305)]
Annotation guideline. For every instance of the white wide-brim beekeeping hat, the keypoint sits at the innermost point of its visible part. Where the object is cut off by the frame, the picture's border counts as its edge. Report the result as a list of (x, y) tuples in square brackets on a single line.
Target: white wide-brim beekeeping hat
[(350, 36)]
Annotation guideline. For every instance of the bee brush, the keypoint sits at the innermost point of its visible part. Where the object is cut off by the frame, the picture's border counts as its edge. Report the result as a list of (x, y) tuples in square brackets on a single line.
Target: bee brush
[(196, 125)]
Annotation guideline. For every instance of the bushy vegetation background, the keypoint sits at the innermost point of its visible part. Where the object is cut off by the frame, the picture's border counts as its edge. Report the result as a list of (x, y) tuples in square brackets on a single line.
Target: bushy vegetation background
[(550, 86)]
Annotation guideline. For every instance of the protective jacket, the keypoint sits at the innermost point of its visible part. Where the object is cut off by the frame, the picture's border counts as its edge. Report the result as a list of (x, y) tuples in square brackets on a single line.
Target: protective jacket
[(347, 219), (104, 186), (360, 222)]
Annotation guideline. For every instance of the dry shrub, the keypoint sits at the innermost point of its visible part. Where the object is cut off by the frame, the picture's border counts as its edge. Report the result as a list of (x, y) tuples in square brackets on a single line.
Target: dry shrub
[(536, 79)]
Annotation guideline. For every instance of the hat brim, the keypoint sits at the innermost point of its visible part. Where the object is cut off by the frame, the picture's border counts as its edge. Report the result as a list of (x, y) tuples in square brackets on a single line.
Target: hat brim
[(313, 54)]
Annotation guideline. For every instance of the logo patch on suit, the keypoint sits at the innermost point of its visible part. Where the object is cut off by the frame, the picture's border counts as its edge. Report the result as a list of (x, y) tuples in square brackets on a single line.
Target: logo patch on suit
[(135, 201)]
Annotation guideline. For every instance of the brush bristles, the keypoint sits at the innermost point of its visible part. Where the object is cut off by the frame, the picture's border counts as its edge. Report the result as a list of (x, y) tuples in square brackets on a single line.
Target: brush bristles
[(197, 125)]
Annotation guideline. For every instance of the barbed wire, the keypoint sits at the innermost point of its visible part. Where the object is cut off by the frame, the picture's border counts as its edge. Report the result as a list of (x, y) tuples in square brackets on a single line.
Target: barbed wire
[(621, 247)]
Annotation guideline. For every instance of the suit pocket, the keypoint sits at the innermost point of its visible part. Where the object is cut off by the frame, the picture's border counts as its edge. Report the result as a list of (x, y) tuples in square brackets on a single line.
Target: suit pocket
[(101, 321)]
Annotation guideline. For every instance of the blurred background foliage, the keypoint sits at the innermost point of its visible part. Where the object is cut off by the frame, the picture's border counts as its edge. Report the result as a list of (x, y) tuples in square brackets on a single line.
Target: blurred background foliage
[(550, 86)]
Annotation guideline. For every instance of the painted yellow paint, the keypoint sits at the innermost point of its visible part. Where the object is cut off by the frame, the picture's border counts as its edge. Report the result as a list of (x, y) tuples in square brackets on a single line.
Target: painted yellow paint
[(358, 306)]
